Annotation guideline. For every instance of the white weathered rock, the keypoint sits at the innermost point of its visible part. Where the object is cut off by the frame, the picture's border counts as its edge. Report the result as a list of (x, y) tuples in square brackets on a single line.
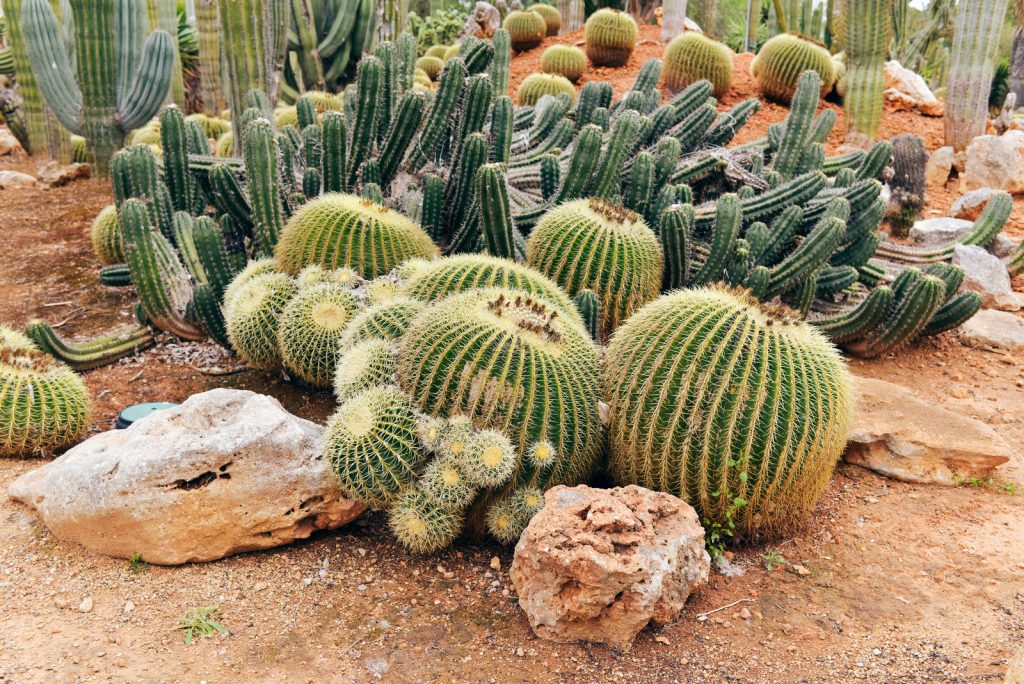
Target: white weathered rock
[(15, 180), (986, 274), (995, 162), (1015, 669), (906, 438), (939, 166), (600, 564), (1002, 246), (935, 232), (54, 174), (990, 329), (227, 471), (8, 143), (970, 205), (909, 90)]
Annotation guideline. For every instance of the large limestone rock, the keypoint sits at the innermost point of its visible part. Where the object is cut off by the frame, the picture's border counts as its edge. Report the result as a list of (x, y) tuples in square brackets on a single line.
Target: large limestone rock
[(901, 436), (227, 471), (600, 564), (995, 162), (986, 274), (939, 166), (8, 143), (54, 174), (997, 330), (1015, 669), (908, 90)]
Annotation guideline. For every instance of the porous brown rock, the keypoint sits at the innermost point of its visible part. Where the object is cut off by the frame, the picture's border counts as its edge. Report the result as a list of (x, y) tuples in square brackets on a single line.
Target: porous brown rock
[(227, 471), (600, 564)]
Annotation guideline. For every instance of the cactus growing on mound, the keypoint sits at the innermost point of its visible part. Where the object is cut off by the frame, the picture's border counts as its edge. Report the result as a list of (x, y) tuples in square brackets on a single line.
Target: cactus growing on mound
[(564, 60), (345, 230), (44, 405), (610, 37), (595, 245), (252, 312), (773, 396), (692, 57), (526, 29), (105, 234), (536, 86), (117, 79), (783, 58), (552, 17), (310, 328)]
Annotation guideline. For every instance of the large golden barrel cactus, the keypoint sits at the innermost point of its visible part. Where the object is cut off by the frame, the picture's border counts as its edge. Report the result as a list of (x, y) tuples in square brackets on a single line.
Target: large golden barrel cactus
[(692, 57), (782, 59)]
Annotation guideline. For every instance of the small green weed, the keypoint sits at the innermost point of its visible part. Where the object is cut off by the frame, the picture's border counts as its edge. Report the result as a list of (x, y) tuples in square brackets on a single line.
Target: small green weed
[(137, 564), (718, 535), (772, 558), (197, 622)]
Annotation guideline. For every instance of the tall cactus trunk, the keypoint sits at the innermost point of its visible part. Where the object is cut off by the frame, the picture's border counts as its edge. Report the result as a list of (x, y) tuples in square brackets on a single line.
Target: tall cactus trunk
[(208, 27), (867, 43), (254, 38), (32, 104), (163, 14), (96, 49), (673, 18), (972, 63), (753, 25), (391, 20), (899, 26), (572, 12), (1017, 65), (706, 14)]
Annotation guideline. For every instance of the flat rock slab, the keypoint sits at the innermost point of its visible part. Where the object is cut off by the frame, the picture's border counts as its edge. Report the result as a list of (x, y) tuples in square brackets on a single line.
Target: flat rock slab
[(899, 435), (990, 329), (600, 564), (227, 471)]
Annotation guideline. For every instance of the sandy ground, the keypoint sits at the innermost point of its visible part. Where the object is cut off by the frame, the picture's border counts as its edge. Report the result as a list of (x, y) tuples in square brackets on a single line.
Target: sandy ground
[(906, 583)]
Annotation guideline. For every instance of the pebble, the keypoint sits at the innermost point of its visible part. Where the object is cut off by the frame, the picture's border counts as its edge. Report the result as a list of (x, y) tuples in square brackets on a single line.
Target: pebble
[(495, 563), (86, 605), (129, 606), (361, 587)]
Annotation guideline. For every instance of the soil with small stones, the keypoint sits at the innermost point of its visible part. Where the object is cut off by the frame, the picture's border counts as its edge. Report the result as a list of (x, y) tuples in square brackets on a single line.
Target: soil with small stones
[(906, 583)]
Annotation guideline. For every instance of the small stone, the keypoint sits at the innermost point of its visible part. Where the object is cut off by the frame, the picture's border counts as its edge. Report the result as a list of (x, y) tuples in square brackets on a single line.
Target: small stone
[(663, 640), (990, 329), (744, 614), (520, 652), (495, 563), (16, 180), (8, 143), (800, 570), (55, 174), (361, 587), (936, 232), (939, 166), (970, 205), (86, 605), (128, 606)]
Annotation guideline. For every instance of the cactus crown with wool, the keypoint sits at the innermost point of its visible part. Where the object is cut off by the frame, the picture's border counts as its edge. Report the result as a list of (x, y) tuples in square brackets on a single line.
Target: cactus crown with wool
[(345, 230), (783, 58), (525, 29), (738, 408), (536, 86), (511, 362), (552, 17), (564, 60), (692, 57), (310, 329), (593, 244), (44, 405), (610, 37)]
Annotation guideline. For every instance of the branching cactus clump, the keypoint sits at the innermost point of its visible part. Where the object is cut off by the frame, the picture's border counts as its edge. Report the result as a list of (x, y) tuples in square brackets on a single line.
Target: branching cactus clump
[(44, 405), (755, 420)]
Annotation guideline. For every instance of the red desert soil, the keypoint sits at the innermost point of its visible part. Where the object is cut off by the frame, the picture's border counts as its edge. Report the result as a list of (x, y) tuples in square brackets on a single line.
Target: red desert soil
[(907, 583)]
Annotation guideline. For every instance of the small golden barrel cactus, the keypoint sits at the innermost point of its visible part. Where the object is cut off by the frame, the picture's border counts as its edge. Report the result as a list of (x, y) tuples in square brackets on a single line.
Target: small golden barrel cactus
[(591, 244), (431, 66), (387, 320), (692, 57), (436, 51), (362, 366), (252, 314), (346, 230), (310, 328), (526, 29), (451, 51), (610, 37), (552, 17), (783, 58), (740, 409), (564, 60), (536, 86), (105, 234)]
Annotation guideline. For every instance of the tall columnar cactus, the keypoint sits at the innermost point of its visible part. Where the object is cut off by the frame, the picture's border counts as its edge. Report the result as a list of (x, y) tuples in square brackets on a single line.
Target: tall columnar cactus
[(908, 181), (693, 56), (868, 34), (34, 138), (328, 38), (44, 405), (118, 81), (783, 58), (253, 40), (610, 37), (208, 28), (774, 398), (598, 246), (972, 63), (163, 15)]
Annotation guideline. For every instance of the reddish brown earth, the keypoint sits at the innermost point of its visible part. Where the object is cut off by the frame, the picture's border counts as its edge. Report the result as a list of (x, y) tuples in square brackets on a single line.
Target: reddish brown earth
[(906, 583)]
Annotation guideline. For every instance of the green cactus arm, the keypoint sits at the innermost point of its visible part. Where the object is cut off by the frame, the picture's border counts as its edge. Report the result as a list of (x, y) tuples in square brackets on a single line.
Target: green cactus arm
[(582, 164), (991, 221), (640, 187), (205, 309), (51, 64), (799, 124), (953, 313), (184, 241), (460, 192), (495, 216), (211, 252), (175, 157), (550, 176), (813, 251), (858, 252), (499, 67), (335, 152), (261, 164), (620, 144), (915, 306), (433, 207), (449, 92), (228, 195), (151, 83), (502, 122), (674, 228), (723, 236), (856, 323), (1015, 261), (93, 353), (833, 279), (400, 136)]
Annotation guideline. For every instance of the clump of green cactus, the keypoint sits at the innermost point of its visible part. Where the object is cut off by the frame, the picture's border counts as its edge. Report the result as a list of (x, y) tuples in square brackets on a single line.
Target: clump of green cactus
[(552, 17), (783, 58), (117, 79), (610, 37), (763, 451), (252, 313), (535, 86), (387, 320), (525, 29), (428, 281), (310, 328), (346, 230), (595, 245), (371, 444), (564, 60), (363, 365), (44, 405), (908, 181), (325, 42), (105, 234), (693, 56)]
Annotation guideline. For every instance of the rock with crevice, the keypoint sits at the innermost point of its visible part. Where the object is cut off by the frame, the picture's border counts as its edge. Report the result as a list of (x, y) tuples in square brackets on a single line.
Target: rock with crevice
[(902, 436), (600, 564), (996, 330), (227, 471), (970, 205)]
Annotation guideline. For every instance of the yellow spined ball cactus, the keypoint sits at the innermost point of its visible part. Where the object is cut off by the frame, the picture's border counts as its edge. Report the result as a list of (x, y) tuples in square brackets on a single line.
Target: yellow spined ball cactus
[(526, 29), (436, 51), (782, 59), (565, 60), (310, 328), (692, 57), (252, 315), (536, 86), (431, 66), (552, 17), (105, 234), (610, 37)]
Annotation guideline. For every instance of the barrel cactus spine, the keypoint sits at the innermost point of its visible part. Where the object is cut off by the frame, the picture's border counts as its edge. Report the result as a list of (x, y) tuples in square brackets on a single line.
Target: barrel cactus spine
[(763, 453), (693, 56), (610, 37), (564, 60)]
